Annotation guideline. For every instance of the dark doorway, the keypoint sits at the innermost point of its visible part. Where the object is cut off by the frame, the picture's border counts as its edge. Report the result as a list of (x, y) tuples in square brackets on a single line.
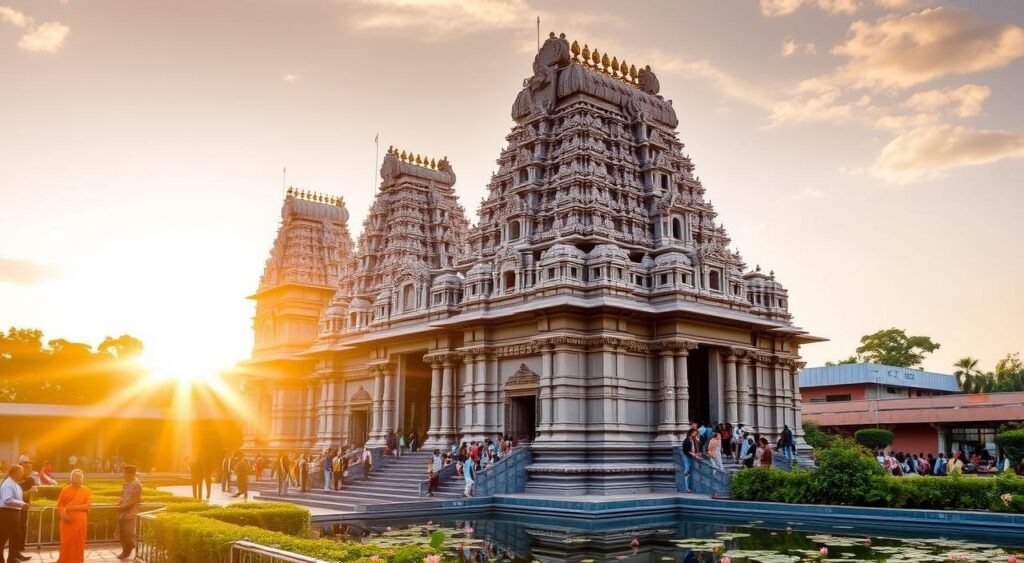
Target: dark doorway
[(416, 408), (700, 391), (360, 427), (521, 418)]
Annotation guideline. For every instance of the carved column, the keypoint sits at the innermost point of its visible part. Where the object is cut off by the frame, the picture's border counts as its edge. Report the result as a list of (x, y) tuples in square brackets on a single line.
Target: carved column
[(798, 408), (667, 428), (467, 393), (447, 402), (546, 390), (480, 419), (746, 413), (388, 407), (377, 407), (683, 389), (730, 388), (433, 433)]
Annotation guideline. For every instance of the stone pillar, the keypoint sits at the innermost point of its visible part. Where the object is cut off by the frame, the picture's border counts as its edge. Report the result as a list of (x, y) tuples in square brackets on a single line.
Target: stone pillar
[(447, 403), (547, 411), (434, 431), (467, 393), (667, 427), (388, 407), (778, 397), (731, 399), (682, 391), (798, 422), (746, 411), (480, 419), (376, 434)]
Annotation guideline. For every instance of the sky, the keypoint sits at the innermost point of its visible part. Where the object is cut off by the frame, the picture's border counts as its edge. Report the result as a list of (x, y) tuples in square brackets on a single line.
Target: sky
[(870, 152)]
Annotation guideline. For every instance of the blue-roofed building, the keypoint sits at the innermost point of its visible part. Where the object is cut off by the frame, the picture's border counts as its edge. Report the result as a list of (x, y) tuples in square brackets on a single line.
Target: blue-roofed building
[(851, 382), (925, 410)]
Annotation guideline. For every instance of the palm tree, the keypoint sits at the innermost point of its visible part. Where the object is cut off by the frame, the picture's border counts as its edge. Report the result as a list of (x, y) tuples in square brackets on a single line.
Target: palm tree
[(967, 374)]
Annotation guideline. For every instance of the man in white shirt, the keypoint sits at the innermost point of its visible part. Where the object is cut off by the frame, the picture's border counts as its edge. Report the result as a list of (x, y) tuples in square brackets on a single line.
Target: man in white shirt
[(11, 501)]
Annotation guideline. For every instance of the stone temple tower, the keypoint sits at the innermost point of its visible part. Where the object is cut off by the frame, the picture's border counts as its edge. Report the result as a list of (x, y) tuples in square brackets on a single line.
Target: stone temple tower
[(312, 253), (594, 312)]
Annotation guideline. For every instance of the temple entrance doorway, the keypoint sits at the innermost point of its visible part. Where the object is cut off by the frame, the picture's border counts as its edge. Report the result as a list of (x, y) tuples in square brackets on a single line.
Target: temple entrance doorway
[(521, 418), (699, 378), (415, 397), (360, 427)]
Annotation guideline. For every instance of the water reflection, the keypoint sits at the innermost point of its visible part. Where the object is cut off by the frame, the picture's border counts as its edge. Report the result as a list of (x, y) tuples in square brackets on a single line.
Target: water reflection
[(669, 537)]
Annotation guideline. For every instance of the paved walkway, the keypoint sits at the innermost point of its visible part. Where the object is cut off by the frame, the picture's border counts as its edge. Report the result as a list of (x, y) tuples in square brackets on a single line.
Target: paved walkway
[(100, 554), (221, 498)]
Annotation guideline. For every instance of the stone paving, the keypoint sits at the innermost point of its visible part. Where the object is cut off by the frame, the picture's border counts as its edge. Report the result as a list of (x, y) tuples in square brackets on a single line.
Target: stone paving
[(104, 553)]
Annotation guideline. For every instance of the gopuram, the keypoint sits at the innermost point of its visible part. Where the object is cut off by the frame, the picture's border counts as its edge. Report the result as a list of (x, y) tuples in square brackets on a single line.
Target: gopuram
[(594, 310)]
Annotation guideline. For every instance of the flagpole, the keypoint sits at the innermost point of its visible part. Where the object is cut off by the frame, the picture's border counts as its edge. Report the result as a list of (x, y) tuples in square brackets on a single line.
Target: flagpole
[(284, 180), (538, 34), (376, 160)]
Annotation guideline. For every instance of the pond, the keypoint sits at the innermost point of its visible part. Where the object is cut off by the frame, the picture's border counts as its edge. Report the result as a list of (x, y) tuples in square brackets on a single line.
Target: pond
[(690, 539)]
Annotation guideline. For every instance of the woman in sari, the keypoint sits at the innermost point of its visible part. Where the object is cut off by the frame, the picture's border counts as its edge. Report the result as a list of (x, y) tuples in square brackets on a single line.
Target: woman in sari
[(73, 506)]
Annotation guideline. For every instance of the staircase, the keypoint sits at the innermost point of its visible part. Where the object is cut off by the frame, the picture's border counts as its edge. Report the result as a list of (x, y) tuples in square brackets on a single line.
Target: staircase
[(396, 480)]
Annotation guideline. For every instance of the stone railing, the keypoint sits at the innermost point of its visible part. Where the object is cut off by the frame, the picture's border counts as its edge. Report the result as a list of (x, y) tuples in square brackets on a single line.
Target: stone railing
[(507, 475), (704, 478), (247, 552)]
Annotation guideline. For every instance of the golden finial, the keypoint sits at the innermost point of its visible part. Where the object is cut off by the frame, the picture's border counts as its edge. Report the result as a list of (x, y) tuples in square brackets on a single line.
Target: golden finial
[(289, 192), (433, 164), (605, 62), (615, 66), (403, 157), (596, 57), (419, 161), (575, 50), (624, 69), (586, 54), (632, 73), (391, 149)]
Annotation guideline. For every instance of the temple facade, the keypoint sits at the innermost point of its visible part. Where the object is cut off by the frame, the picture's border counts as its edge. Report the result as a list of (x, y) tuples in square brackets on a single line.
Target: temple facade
[(594, 310)]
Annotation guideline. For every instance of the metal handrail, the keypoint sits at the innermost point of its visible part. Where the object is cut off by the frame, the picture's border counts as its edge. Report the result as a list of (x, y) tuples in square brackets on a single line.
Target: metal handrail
[(146, 552), (248, 552), (44, 525)]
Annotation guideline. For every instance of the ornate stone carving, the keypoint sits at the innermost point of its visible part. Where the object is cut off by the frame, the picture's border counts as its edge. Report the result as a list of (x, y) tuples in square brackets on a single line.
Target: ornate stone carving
[(523, 377), (361, 396)]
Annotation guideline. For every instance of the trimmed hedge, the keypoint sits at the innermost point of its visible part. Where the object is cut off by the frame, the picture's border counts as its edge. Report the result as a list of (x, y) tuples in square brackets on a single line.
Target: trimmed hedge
[(193, 537), (849, 476), (874, 438), (1012, 442)]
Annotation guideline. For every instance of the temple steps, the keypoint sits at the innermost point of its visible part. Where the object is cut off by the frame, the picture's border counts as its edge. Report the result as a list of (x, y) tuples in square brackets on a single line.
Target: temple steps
[(396, 479)]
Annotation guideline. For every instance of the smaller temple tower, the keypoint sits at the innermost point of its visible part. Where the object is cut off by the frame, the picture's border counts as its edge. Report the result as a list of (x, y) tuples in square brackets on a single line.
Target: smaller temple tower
[(313, 251)]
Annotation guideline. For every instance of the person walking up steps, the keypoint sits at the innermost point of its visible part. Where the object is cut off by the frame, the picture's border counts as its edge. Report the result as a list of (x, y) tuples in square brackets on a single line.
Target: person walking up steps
[(468, 472), (433, 469), (367, 462)]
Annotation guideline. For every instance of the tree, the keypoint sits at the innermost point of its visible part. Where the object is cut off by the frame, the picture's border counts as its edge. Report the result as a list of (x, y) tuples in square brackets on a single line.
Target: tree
[(892, 347), (853, 359), (123, 346), (967, 374), (873, 438)]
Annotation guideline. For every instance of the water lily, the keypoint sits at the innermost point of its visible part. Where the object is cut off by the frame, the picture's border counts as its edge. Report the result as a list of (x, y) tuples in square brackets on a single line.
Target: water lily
[(433, 559), (634, 543), (867, 542), (725, 559), (823, 551), (1011, 559)]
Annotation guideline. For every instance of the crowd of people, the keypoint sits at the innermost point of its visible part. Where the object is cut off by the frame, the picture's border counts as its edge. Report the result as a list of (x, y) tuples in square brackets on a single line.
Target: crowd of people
[(712, 444), (980, 462), (73, 506)]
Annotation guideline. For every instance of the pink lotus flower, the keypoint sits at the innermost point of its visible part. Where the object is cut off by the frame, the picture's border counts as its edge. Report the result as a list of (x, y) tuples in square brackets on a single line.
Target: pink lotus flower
[(469, 530), (725, 559), (788, 529), (433, 559), (388, 529), (1011, 559), (634, 543), (867, 542), (823, 551)]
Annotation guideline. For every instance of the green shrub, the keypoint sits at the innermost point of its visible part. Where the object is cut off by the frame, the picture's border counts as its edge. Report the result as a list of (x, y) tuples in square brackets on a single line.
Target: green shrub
[(847, 474), (1012, 442), (193, 537), (278, 517), (815, 436), (873, 438)]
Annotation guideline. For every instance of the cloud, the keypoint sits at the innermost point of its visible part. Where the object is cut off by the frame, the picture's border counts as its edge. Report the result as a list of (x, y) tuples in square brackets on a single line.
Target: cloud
[(929, 151), (905, 50), (726, 83), (290, 77), (14, 17), (47, 38), (435, 19), (791, 47), (23, 272), (774, 8), (967, 99)]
